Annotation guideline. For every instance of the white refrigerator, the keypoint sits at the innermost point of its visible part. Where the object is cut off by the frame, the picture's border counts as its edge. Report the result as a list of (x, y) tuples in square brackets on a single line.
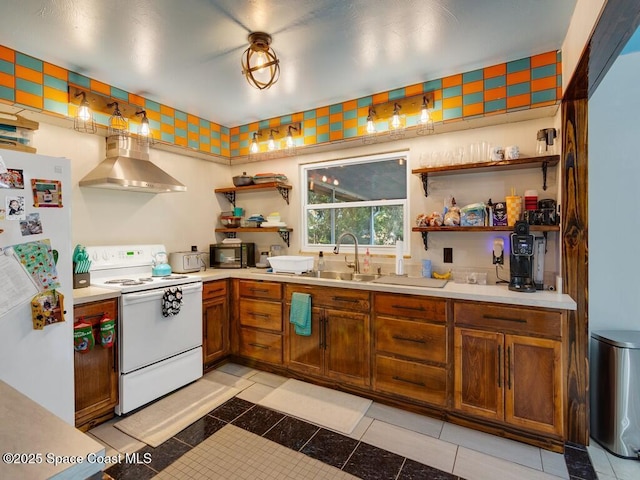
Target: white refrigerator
[(35, 224)]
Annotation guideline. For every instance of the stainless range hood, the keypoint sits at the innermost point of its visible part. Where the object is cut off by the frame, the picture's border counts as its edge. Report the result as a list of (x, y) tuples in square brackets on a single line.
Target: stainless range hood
[(127, 167)]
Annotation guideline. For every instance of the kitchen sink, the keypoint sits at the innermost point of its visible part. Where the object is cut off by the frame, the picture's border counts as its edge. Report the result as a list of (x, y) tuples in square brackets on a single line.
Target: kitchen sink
[(335, 275)]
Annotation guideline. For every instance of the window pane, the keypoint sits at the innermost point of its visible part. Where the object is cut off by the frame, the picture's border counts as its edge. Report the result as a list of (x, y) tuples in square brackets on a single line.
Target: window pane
[(356, 182)]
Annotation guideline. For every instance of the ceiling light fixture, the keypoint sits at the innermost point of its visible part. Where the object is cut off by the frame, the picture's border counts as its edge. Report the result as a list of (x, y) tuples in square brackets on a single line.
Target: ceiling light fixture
[(271, 144), (118, 125), (260, 64), (395, 120), (370, 128), (255, 148), (83, 121), (145, 136), (425, 124)]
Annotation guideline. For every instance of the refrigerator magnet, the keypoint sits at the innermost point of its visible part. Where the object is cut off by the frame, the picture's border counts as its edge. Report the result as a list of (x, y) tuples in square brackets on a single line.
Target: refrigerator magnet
[(46, 193)]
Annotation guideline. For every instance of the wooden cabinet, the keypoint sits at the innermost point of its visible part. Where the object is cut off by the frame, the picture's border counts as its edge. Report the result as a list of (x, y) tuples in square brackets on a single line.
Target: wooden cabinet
[(215, 321), (508, 365), (259, 320), (339, 345), (410, 347), (95, 372)]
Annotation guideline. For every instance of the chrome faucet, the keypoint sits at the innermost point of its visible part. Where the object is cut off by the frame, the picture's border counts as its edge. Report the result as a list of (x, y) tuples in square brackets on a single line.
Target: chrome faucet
[(336, 250)]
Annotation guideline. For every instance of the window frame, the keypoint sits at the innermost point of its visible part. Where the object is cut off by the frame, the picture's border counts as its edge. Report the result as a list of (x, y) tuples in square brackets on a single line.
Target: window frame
[(373, 249)]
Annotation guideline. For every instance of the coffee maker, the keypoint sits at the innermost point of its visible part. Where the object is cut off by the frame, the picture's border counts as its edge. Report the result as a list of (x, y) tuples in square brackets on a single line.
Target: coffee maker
[(521, 259)]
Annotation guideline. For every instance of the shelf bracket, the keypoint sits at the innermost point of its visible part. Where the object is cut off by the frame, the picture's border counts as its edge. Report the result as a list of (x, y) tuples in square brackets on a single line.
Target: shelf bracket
[(285, 194), (284, 234), (424, 240), (231, 196), (544, 175), (424, 177)]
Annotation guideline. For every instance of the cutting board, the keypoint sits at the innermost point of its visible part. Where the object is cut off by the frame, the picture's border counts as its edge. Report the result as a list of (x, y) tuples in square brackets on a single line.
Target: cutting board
[(411, 281)]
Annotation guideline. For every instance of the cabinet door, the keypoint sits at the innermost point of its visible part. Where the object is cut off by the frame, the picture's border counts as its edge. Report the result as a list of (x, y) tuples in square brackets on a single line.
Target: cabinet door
[(347, 350), (215, 321), (534, 383), (479, 384), (305, 353)]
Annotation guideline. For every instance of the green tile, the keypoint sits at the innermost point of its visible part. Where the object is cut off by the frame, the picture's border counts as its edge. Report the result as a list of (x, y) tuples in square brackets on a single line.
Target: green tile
[(519, 65), (495, 82), (452, 91), (351, 132), (337, 108), (472, 98), (193, 128), (494, 105), (61, 108), (350, 114), (518, 89), (263, 125), (180, 132), (180, 115), (322, 138), (432, 85), (216, 150), (309, 132), (365, 102), (29, 62), (285, 119), (56, 83), (120, 94), (7, 67), (79, 80), (309, 115), (397, 94), (29, 86), (193, 144), (451, 113), (151, 105), (224, 145), (244, 128), (215, 135), (167, 137), (543, 72), (322, 120), (7, 93), (473, 76), (167, 119), (335, 127), (543, 96)]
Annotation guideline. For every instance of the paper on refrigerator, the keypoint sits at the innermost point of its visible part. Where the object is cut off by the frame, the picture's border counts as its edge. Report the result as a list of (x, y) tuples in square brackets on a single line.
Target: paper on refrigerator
[(17, 286)]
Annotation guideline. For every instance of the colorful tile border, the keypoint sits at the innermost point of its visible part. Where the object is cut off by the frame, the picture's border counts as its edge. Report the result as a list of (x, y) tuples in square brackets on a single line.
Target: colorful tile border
[(526, 83)]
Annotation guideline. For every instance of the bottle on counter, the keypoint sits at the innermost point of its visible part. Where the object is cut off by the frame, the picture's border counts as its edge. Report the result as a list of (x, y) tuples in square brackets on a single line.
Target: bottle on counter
[(366, 264), (320, 261)]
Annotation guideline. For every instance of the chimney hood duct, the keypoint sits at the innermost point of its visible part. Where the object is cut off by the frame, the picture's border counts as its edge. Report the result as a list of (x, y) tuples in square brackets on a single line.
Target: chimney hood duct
[(127, 167)]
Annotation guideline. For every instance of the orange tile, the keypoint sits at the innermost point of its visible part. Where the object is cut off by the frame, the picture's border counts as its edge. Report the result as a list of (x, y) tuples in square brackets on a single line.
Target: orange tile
[(7, 80), (100, 87), (543, 83), (310, 140), (436, 115), (412, 90), (244, 136), (322, 112), (29, 99), (215, 142), (335, 135), (475, 109), (215, 127), (55, 71), (234, 145), (472, 87), (151, 115), (253, 127), (350, 105), (274, 122), (180, 123), (297, 117), (234, 131), (309, 123), (379, 98), (558, 92), (322, 129), (165, 128), (351, 123), (519, 100), (518, 77), (543, 59), (437, 95), (193, 136), (495, 70), (495, 93), (452, 81), (28, 74), (169, 111), (335, 117), (136, 100), (193, 119), (57, 95), (452, 102), (7, 54), (363, 112)]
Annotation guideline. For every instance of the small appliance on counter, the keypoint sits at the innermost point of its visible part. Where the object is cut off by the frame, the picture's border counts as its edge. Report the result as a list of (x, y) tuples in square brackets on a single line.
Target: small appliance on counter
[(186, 262), (232, 255), (521, 259), (160, 267)]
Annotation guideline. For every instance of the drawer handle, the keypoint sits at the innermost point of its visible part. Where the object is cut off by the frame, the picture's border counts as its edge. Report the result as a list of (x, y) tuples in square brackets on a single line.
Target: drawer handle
[(400, 379), (263, 315), (404, 307), (505, 319), (259, 290), (216, 290), (415, 340), (259, 345), (346, 299)]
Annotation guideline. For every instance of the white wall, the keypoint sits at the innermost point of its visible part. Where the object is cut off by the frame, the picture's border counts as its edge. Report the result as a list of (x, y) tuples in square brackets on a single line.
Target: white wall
[(614, 198)]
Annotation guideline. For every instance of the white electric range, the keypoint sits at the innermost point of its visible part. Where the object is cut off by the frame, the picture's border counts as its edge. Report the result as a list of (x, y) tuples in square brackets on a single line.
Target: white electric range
[(160, 350)]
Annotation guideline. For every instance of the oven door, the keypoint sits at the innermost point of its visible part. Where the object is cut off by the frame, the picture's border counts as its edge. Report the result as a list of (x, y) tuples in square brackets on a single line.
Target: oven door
[(147, 336)]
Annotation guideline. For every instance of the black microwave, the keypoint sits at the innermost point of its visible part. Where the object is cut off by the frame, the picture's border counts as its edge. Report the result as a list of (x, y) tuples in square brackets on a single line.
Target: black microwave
[(232, 255)]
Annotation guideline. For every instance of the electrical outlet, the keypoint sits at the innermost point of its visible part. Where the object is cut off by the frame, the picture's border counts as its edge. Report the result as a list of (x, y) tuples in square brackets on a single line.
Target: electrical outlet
[(448, 255), (499, 260)]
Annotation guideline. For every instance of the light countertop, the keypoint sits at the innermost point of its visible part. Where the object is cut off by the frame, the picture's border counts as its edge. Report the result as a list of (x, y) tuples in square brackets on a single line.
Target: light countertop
[(460, 291)]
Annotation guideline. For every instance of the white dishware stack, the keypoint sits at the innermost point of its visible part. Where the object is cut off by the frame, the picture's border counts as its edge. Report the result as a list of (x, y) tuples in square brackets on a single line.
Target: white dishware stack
[(399, 257)]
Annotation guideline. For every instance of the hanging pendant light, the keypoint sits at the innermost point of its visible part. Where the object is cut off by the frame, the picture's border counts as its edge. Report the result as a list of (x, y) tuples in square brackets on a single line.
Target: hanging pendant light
[(83, 121), (254, 148), (271, 144), (425, 124), (118, 125), (260, 64)]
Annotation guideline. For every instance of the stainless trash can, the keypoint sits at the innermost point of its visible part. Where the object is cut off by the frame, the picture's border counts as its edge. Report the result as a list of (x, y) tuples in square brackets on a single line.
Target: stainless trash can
[(615, 391)]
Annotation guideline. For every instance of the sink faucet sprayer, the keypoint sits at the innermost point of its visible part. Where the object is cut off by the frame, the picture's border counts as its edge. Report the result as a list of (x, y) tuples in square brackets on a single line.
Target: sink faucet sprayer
[(336, 250)]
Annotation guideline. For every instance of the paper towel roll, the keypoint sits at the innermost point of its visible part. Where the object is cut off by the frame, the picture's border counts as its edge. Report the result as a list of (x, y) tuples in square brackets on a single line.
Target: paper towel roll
[(399, 257)]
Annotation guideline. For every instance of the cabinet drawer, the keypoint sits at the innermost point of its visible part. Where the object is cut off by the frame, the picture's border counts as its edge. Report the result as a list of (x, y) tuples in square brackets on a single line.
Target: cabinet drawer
[(269, 290), (422, 341), (410, 379), (340, 298), (93, 312), (260, 314), (261, 345), (420, 308), (514, 319), (214, 289)]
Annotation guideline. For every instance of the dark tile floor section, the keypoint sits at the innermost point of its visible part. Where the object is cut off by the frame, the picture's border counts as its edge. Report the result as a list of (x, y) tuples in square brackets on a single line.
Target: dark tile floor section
[(330, 447), (258, 420), (412, 470), (373, 463), (291, 433), (200, 430), (579, 463)]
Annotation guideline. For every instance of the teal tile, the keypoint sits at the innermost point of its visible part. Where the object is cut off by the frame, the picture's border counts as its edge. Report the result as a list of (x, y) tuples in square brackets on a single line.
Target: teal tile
[(29, 62), (365, 102), (285, 119), (437, 105), (224, 145), (180, 132), (451, 113), (309, 115), (55, 83), (322, 120), (543, 96), (263, 125), (495, 82), (79, 80), (101, 118), (337, 108), (309, 132), (559, 56), (494, 105), (243, 143), (167, 137), (7, 93), (432, 85), (473, 76), (215, 135), (335, 127), (397, 94), (559, 81), (193, 128), (519, 65), (452, 91), (154, 124), (121, 94), (350, 114), (518, 89), (204, 123), (29, 86), (180, 115), (351, 132), (472, 98), (204, 139), (151, 105), (167, 119), (193, 144), (244, 128), (7, 67), (235, 152), (542, 72), (61, 108), (216, 149), (322, 138)]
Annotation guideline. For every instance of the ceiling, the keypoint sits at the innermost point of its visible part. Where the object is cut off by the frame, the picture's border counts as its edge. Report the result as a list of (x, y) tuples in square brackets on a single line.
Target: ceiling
[(186, 54)]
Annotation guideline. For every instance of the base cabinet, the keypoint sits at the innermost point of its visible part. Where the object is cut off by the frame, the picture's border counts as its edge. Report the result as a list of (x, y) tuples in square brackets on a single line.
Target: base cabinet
[(215, 321), (96, 372)]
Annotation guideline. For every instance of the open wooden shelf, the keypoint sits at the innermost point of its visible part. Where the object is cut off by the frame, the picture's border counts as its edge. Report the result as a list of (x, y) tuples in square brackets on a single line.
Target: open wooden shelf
[(230, 192)]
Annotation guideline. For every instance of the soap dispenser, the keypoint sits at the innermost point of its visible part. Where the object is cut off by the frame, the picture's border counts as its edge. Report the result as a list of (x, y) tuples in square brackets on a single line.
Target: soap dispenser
[(320, 261), (366, 264)]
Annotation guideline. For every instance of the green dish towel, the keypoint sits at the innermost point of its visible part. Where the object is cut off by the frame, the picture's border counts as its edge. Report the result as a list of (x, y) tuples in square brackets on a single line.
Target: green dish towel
[(300, 314)]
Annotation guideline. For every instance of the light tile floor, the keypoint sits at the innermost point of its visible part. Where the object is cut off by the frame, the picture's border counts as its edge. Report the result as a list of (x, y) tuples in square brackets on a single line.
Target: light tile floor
[(454, 450)]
